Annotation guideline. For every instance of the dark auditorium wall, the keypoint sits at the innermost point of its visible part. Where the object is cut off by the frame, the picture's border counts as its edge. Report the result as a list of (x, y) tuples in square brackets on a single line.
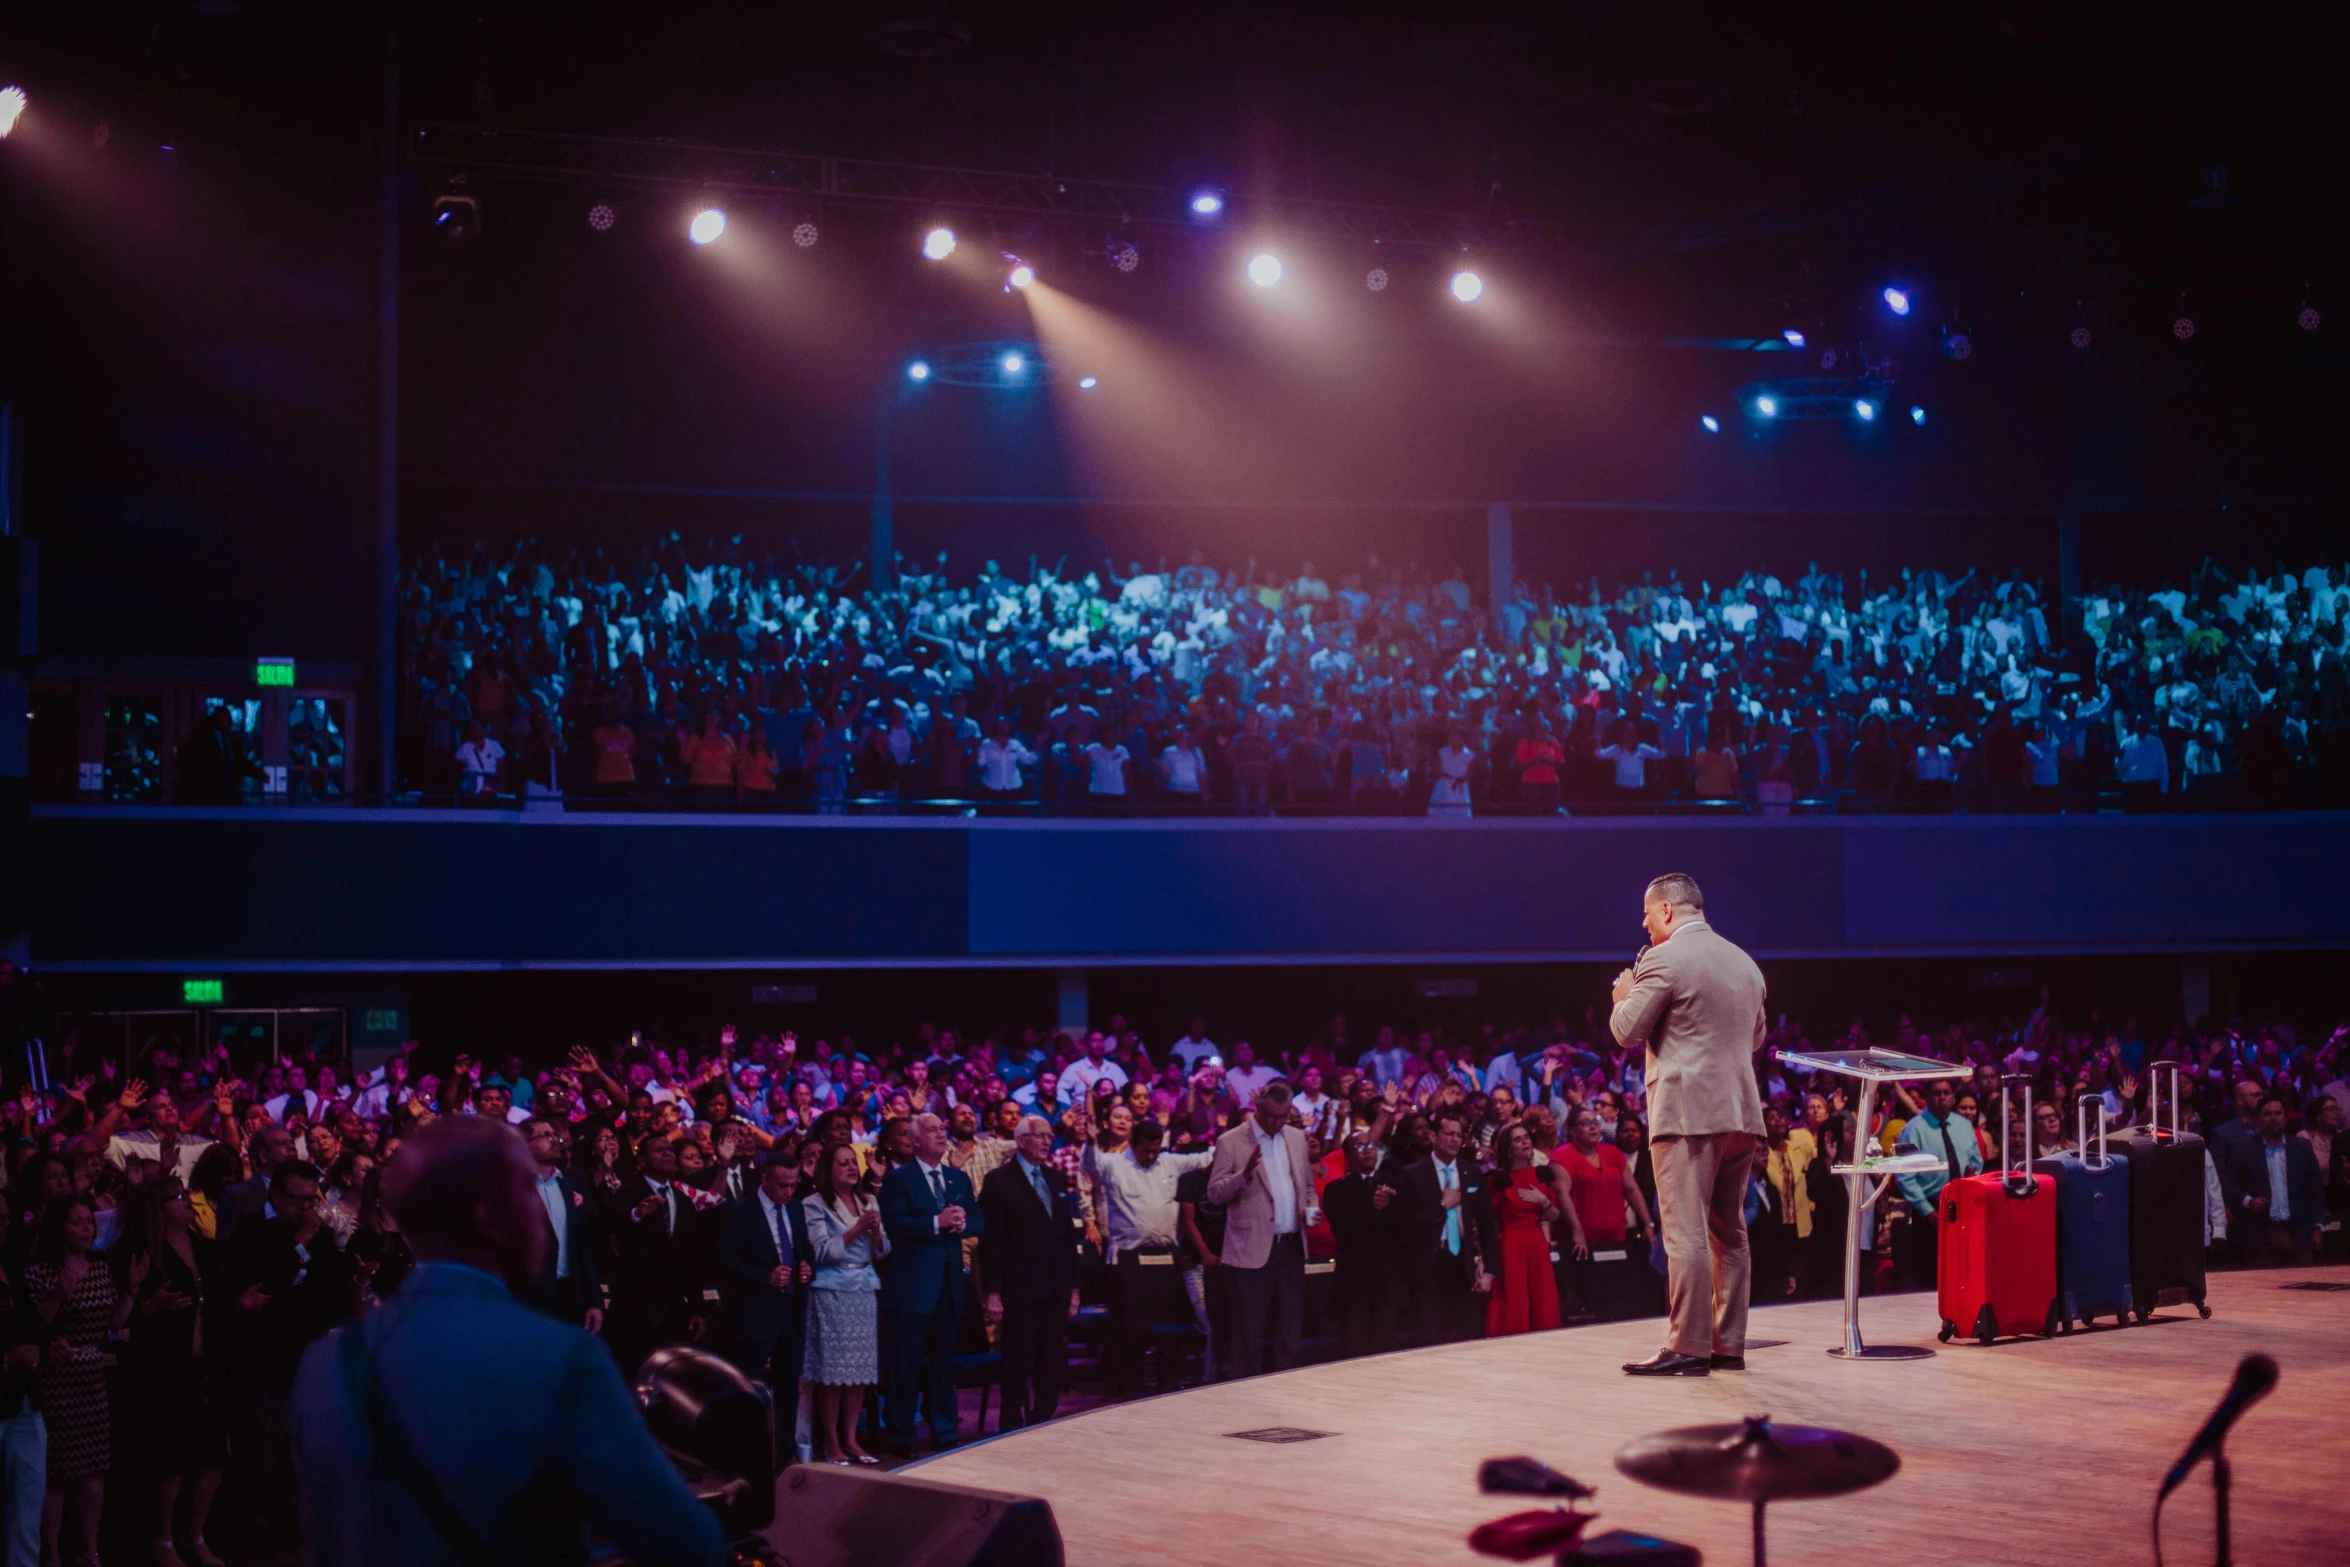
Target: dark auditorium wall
[(419, 890)]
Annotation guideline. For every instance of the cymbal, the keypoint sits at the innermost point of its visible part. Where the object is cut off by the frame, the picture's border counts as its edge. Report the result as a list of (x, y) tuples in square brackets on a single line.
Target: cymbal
[(1756, 1461)]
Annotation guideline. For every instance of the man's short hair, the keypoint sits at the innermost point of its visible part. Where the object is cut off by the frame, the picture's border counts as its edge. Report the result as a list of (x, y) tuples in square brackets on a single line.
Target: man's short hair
[(1454, 1116), (1277, 1091), (2279, 1100), (781, 1158), (293, 1170), (441, 1174), (1149, 1132), (1027, 1121), (1677, 888)]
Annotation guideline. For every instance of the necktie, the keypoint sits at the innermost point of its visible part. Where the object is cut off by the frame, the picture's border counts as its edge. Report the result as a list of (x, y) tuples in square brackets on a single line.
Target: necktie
[(1949, 1150), (782, 1237), (1447, 1177), (938, 1187), (1044, 1193)]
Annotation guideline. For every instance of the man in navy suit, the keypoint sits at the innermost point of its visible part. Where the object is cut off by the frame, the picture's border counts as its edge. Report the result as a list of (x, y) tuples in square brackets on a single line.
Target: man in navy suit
[(927, 1208), (764, 1266), (568, 1288), (2276, 1197), (1028, 1263)]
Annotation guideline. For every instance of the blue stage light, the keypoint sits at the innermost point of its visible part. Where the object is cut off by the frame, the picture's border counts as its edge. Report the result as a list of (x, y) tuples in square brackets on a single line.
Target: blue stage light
[(1089, 382), (1864, 410), (1897, 301), (919, 370), (1917, 415), (707, 225), (1013, 363), (1766, 405), (1207, 203), (1712, 425), (1794, 336)]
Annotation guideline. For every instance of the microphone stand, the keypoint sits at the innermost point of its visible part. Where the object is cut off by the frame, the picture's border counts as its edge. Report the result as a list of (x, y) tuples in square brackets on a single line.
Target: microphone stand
[(2219, 1496)]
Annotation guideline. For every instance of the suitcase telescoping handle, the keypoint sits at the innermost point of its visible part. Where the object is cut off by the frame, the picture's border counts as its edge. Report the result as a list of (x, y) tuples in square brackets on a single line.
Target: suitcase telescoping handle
[(2018, 1180), (2098, 1102), (2154, 1074)]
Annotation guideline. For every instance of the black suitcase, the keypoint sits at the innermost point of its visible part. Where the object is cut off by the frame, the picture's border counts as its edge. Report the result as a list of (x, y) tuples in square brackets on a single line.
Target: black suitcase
[(2166, 1203)]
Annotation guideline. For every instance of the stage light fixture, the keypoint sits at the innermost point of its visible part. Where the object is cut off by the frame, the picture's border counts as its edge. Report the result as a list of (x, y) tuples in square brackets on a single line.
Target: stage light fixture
[(601, 217), (2183, 328), (1712, 425), (456, 219), (1207, 204), (1021, 275), (2309, 320), (1013, 363), (1917, 415), (1794, 336), (805, 234), (1376, 280), (1088, 383), (1897, 300), (1466, 286), (1767, 406), (1957, 344), (2079, 337), (1864, 410), (1264, 270), (707, 225), (938, 244), (1123, 256), (919, 370), (1827, 359), (12, 107)]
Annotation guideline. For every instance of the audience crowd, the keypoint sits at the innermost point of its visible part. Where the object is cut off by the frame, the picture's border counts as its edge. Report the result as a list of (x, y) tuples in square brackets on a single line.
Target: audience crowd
[(709, 676), (957, 1208)]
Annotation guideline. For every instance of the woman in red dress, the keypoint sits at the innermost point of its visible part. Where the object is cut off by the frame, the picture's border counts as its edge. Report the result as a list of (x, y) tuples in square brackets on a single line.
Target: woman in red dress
[(1525, 1291)]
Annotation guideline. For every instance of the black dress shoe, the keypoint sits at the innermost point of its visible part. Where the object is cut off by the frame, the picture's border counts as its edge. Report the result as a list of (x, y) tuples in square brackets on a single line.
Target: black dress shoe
[(1670, 1363), (1727, 1362)]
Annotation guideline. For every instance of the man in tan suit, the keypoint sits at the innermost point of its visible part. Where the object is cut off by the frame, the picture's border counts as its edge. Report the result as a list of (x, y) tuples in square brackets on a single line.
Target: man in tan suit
[(1696, 1002), (1261, 1177)]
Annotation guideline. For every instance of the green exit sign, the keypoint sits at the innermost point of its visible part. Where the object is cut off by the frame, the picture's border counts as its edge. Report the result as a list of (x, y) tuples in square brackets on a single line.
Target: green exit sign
[(273, 672), (201, 992), (383, 1020)]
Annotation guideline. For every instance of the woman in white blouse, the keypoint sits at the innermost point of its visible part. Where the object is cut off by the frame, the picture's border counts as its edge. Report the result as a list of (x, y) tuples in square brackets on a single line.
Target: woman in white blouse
[(844, 1339)]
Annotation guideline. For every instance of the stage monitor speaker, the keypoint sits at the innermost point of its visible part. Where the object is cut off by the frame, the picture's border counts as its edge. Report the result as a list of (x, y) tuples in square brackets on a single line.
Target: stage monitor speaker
[(830, 1516)]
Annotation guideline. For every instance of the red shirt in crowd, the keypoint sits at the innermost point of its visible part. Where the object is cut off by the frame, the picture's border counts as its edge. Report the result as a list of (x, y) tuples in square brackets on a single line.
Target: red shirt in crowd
[(1597, 1185)]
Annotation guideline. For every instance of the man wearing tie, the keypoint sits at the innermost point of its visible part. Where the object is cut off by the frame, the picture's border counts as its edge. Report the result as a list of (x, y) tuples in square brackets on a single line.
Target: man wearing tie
[(927, 1208), (656, 1299), (764, 1266), (1028, 1264), (1446, 1232)]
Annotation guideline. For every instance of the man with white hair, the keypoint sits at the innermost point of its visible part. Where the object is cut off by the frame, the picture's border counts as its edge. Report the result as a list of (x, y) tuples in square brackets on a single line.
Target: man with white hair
[(1028, 1267), (927, 1208)]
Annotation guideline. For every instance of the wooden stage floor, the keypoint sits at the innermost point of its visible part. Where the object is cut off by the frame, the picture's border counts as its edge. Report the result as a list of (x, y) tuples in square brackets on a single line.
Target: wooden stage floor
[(2025, 1452)]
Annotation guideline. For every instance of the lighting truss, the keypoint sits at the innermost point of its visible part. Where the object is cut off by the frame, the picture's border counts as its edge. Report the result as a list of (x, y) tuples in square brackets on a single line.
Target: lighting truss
[(604, 161)]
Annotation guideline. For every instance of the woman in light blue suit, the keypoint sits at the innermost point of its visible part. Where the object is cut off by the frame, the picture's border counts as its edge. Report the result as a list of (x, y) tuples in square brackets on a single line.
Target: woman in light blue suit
[(844, 1340)]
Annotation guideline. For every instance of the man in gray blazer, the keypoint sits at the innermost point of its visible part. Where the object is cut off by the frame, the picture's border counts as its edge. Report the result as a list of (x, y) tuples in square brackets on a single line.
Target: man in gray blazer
[(1260, 1175), (1696, 1002)]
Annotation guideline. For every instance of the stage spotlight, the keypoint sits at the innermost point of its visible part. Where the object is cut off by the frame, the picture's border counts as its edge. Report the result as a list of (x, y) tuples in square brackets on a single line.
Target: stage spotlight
[(919, 370), (1466, 286), (1712, 425), (1123, 256), (1897, 301), (2183, 328), (12, 103), (2079, 337), (2309, 319), (707, 225), (1021, 275), (1767, 406), (1088, 383), (1864, 410), (1013, 363), (805, 234), (1376, 280), (938, 244), (1207, 204), (1827, 359), (1264, 270), (1957, 344), (601, 217), (1794, 337), (1917, 415)]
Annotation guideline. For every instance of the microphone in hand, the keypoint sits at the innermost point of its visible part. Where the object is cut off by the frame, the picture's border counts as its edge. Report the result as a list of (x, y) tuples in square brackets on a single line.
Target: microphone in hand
[(2254, 1377)]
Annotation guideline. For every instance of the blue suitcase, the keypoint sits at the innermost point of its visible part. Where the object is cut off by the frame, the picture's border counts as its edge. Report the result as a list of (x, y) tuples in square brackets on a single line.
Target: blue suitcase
[(2092, 1227)]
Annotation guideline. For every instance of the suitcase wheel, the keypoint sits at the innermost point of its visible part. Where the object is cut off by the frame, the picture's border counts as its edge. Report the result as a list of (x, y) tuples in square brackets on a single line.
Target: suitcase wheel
[(1949, 1330), (1986, 1326), (2206, 1310), (2055, 1320), (2145, 1313)]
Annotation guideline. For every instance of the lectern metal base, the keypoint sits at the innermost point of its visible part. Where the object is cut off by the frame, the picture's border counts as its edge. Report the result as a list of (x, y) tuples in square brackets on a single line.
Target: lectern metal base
[(1884, 1352)]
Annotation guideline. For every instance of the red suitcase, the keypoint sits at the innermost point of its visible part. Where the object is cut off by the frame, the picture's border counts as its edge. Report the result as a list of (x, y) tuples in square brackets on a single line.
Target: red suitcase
[(1998, 1246)]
